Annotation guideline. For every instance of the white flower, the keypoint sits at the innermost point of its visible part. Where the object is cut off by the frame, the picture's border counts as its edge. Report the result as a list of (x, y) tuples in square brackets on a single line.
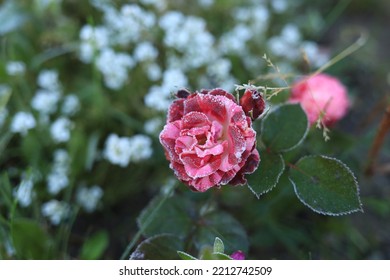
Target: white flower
[(153, 71), (140, 147), (220, 68), (174, 78), (117, 150), (145, 51), (93, 39), (15, 68), (55, 210), (291, 34), (158, 98), (279, 6), (22, 122), (70, 105), (24, 193), (89, 198), (58, 176), (153, 126), (114, 67), (60, 130), (45, 101), (48, 79), (56, 181)]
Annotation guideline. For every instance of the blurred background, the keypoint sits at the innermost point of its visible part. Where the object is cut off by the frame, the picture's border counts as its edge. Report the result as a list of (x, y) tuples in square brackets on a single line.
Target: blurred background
[(84, 90)]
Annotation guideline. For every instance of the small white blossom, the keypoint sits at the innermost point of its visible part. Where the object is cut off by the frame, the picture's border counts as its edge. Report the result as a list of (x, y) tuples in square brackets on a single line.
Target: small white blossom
[(174, 78), (22, 122), (57, 180), (48, 79), (55, 211), (15, 68), (158, 98), (117, 150), (88, 198), (153, 126), (279, 6), (114, 67), (24, 193), (140, 148), (58, 177), (93, 39), (45, 101), (60, 130), (153, 71), (206, 3), (291, 34), (315, 55), (145, 51), (70, 105)]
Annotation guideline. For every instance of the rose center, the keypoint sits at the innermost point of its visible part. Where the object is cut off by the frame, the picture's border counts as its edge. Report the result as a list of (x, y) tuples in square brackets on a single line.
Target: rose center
[(201, 139)]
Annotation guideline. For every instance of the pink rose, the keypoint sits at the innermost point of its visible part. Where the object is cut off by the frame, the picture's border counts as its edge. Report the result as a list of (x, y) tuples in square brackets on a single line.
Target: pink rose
[(321, 93), (209, 140)]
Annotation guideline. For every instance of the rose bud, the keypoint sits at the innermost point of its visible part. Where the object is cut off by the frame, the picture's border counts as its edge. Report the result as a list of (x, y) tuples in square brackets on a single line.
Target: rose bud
[(252, 103)]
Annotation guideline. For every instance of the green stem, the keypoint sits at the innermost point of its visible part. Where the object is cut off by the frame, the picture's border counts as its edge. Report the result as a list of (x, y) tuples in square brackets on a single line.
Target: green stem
[(147, 222)]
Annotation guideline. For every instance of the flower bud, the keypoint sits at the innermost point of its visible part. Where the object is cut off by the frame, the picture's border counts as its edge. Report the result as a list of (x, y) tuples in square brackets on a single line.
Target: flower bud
[(252, 102)]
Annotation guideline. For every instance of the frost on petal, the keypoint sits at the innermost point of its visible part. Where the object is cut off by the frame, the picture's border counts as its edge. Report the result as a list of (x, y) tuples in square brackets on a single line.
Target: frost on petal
[(210, 142)]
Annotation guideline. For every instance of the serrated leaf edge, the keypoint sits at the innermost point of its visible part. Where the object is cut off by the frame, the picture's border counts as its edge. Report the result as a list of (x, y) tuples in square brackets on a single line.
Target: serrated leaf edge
[(273, 186), (304, 135), (148, 240), (330, 213)]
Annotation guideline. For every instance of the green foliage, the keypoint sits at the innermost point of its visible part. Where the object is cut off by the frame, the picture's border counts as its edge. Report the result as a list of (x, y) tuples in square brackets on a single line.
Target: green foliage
[(158, 247), (178, 217), (268, 173), (325, 185), (284, 128), (30, 239), (94, 247)]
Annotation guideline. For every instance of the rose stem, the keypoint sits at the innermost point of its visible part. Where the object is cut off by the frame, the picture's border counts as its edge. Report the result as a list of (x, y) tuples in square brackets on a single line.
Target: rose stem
[(378, 142)]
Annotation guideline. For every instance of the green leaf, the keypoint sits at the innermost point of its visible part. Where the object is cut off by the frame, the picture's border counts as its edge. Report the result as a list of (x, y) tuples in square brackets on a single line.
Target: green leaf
[(326, 185), (159, 247), (29, 239), (224, 226), (5, 94), (174, 216), (266, 177), (206, 253), (284, 128), (95, 246), (218, 246), (185, 256)]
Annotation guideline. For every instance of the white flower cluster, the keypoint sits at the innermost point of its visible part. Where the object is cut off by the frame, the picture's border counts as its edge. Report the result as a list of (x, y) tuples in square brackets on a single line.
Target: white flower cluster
[(123, 150), (122, 27), (22, 122), (58, 177), (55, 211), (88, 198)]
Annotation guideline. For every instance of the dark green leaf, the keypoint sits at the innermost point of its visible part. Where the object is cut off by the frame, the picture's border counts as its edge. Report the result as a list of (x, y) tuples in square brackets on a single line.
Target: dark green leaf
[(326, 185), (266, 177), (95, 246), (29, 239), (284, 128), (174, 216), (222, 225), (159, 247)]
